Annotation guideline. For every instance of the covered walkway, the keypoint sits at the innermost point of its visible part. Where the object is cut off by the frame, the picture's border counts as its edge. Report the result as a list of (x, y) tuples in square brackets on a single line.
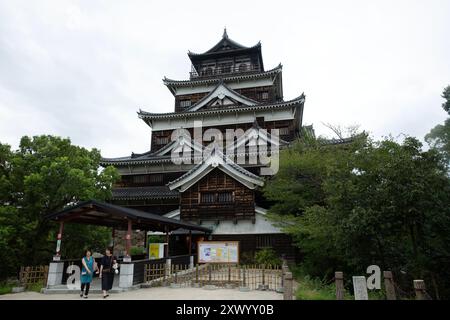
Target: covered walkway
[(93, 212)]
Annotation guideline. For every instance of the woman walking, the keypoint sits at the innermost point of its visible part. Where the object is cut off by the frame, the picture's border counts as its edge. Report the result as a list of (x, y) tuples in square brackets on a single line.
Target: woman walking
[(107, 272), (87, 272)]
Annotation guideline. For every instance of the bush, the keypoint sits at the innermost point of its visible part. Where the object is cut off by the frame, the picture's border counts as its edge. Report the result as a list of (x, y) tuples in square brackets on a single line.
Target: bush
[(5, 288), (135, 251), (267, 257), (247, 258)]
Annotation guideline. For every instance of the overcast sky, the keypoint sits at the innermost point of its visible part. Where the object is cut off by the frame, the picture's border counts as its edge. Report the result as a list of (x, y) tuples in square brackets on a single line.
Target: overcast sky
[(81, 69)]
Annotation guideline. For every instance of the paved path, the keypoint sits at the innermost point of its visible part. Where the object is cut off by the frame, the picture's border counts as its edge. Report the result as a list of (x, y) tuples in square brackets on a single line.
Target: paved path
[(158, 293)]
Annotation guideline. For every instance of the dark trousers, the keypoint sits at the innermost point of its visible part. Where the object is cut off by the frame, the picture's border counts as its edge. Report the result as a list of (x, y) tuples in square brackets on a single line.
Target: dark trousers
[(87, 286)]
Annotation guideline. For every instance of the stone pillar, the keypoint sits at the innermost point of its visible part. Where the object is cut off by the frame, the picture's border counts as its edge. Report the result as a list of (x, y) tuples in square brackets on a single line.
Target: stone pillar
[(168, 267), (287, 290), (126, 275), (389, 285), (339, 281), (55, 274), (360, 288), (191, 262), (419, 288)]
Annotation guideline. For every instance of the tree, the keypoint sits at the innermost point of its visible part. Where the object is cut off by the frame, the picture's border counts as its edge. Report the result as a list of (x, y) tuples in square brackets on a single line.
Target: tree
[(439, 136), (350, 205), (43, 176)]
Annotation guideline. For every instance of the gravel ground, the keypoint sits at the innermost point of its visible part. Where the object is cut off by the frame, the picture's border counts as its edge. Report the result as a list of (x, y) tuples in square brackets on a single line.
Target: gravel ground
[(158, 293)]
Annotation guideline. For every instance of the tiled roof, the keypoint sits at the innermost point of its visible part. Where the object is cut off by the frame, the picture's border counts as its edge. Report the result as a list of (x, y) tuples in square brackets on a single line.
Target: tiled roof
[(282, 104), (139, 193)]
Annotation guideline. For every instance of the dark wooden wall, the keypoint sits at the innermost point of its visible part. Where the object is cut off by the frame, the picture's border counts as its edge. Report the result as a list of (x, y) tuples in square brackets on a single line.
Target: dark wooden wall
[(255, 93), (249, 244), (243, 206)]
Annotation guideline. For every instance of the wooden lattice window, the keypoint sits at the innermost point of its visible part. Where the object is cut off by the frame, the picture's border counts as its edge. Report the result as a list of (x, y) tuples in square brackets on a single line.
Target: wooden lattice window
[(224, 197), (284, 131), (264, 95), (162, 140), (264, 241), (141, 179), (156, 178), (185, 103), (208, 197)]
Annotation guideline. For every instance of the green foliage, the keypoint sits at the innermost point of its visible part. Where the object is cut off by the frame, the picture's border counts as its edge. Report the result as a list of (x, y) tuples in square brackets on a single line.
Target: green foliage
[(446, 96), (439, 137), (247, 258), (134, 251), (43, 176), (348, 206), (267, 256), (5, 288), (36, 287), (310, 288), (156, 239)]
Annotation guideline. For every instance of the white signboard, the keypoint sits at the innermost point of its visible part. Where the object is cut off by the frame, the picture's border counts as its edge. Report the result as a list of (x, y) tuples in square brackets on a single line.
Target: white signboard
[(218, 251)]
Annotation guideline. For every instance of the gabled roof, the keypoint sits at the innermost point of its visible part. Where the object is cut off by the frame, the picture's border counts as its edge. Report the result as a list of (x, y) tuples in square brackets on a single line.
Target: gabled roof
[(216, 159), (262, 106), (255, 136), (225, 47), (220, 92), (183, 143), (225, 44)]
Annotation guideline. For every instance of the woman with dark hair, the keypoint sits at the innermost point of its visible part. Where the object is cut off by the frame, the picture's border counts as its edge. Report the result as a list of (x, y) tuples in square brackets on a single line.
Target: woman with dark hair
[(107, 271), (87, 272)]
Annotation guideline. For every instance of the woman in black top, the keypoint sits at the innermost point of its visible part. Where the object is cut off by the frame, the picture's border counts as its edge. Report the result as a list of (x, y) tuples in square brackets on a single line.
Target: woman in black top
[(107, 272)]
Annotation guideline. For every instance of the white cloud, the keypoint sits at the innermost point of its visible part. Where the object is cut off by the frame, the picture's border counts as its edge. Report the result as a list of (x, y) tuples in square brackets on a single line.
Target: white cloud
[(83, 68)]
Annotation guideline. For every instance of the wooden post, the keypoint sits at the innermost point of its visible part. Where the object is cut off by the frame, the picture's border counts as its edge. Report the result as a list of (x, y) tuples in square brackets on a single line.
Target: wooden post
[(339, 281), (419, 288), (389, 285), (287, 292), (59, 239), (166, 253), (209, 273), (190, 242), (128, 239)]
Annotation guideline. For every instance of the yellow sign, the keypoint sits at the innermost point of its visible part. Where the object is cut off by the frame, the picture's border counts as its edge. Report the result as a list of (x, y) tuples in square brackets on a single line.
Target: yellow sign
[(154, 250)]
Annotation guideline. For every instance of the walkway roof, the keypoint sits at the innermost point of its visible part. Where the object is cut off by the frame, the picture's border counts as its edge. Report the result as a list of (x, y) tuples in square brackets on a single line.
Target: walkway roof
[(105, 214)]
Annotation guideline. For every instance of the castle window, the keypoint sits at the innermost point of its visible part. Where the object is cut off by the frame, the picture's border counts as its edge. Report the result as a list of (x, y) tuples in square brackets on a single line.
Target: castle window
[(243, 67), (208, 197), (224, 197), (265, 95), (264, 241), (140, 179), (284, 131), (162, 140), (185, 103), (156, 178)]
